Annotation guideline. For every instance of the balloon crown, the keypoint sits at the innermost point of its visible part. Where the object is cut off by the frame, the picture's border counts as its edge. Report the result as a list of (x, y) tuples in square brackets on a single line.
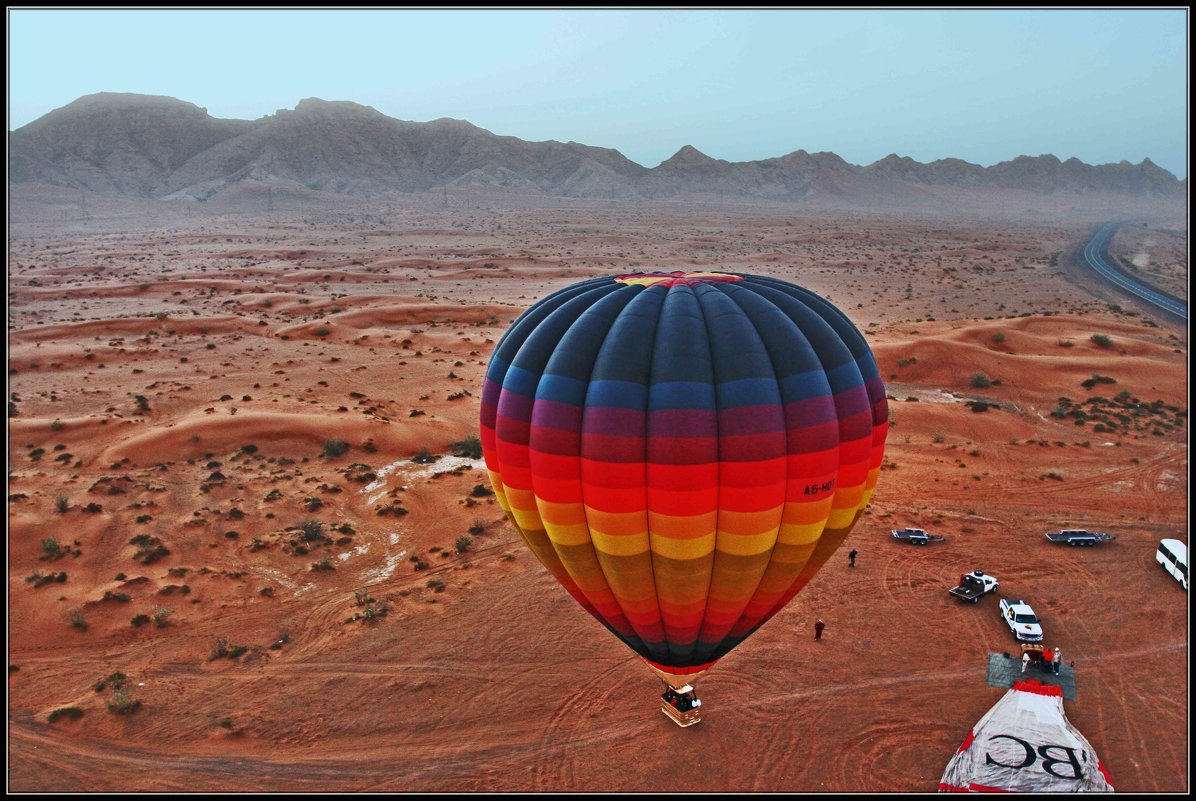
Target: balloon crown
[(675, 278)]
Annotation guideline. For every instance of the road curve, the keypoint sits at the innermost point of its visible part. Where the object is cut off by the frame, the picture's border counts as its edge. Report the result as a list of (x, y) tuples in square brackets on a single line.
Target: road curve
[(1095, 256)]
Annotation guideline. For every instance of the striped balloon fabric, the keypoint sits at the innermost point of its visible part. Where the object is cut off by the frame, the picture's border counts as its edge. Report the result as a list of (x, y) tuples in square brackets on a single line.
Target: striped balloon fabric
[(683, 451)]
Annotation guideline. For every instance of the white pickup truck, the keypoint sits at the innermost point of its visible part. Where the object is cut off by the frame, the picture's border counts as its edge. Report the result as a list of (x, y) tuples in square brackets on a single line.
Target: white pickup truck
[(974, 585), (1021, 620)]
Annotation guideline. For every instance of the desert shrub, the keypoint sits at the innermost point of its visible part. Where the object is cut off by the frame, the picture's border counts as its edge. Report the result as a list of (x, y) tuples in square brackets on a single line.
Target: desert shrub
[(72, 712), (57, 425), (979, 406), (1097, 378), (481, 491), (142, 403), (470, 447), (62, 503), (1102, 341), (312, 530), (93, 508), (999, 336), (424, 457), (51, 548), (335, 447), (140, 620), (980, 381), (323, 564), (114, 680), (374, 612), (75, 618), (40, 580), (463, 543), (478, 527), (420, 564), (436, 585), (224, 650), (149, 549), (121, 704), (161, 616)]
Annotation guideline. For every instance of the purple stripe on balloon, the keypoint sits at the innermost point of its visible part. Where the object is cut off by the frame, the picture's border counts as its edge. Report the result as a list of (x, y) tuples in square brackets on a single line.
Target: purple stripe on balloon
[(754, 447), (514, 406), (612, 421), (751, 420), (683, 423), (555, 414)]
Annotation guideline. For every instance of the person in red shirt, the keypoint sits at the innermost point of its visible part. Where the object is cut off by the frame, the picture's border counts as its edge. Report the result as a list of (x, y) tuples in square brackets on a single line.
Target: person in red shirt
[(1046, 660)]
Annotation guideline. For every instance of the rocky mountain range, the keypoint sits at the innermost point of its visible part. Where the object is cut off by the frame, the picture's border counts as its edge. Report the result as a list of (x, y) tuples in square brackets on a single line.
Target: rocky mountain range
[(163, 148)]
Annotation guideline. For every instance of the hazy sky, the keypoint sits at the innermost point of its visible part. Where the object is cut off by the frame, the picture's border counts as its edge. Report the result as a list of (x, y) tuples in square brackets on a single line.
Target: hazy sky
[(1101, 85)]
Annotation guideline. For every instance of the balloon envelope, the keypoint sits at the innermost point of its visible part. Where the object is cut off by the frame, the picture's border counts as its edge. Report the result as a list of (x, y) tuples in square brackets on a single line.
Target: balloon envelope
[(683, 451)]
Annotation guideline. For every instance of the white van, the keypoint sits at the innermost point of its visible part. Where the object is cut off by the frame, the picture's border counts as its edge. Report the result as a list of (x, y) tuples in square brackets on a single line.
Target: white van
[(1173, 556)]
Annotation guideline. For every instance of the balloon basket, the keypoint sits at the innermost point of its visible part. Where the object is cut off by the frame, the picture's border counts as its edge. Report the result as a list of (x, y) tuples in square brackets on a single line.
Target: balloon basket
[(673, 711)]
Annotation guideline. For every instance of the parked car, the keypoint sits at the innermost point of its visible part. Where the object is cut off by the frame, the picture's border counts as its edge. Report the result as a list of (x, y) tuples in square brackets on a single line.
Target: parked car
[(974, 585), (1173, 556), (1021, 620)]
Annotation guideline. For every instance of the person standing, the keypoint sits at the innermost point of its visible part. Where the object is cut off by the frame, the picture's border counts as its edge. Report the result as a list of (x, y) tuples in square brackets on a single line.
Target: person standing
[(851, 557), (1047, 656), (1058, 658), (818, 627), (1025, 660)]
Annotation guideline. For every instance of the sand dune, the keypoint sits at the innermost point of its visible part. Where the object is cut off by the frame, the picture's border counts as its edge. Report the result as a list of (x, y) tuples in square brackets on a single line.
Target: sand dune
[(132, 326), (197, 435), (327, 627)]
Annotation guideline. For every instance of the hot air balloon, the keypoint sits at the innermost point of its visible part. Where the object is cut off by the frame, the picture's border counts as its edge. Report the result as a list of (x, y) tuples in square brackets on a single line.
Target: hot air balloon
[(683, 451)]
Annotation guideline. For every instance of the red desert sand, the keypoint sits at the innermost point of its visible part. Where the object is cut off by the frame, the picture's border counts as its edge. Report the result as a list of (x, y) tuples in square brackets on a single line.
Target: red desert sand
[(212, 425)]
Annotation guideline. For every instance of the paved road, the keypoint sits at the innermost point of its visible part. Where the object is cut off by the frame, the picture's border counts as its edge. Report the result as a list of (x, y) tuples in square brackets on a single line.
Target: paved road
[(1095, 256)]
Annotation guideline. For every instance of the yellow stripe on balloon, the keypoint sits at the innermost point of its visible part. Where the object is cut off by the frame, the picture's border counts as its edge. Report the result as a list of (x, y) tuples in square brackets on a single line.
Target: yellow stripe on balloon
[(620, 544), (746, 544), (673, 548), (801, 533)]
